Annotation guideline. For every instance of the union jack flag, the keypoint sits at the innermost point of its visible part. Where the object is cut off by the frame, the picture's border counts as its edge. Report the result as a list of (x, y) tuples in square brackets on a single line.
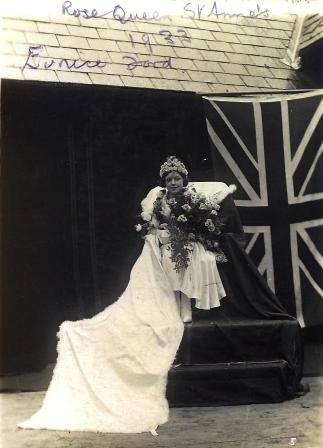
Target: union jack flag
[(271, 148)]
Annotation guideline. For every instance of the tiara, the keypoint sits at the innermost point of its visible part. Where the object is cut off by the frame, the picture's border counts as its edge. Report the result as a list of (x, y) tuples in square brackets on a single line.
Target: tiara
[(173, 164)]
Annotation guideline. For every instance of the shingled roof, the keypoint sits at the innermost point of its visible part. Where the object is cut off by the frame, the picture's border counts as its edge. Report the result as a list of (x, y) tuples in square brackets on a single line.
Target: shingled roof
[(208, 55), (312, 30)]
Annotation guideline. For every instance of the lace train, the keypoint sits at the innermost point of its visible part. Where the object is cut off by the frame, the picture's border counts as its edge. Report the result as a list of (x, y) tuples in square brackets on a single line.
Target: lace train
[(111, 370)]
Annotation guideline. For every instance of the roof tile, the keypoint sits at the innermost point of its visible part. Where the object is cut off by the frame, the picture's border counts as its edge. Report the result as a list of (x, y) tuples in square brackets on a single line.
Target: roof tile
[(148, 72), (107, 33), (245, 49), (54, 28), (274, 43), (23, 25), (214, 56), (231, 28), (75, 77), (13, 60), (225, 78), (40, 75), (117, 69), (188, 53), (13, 36), (102, 44), (181, 75), (73, 42), (42, 39), (280, 83), (265, 62), (94, 23), (7, 48), (116, 25), (109, 80), (11, 73), (261, 51), (255, 81), (202, 76), (210, 25), (61, 52), (83, 31), (93, 55), (192, 86), (200, 34), (239, 58), (250, 40), (160, 50), (185, 64), (225, 37), (65, 19), (236, 69), (283, 73), (23, 49), (258, 71), (208, 66), (168, 84), (219, 46), (130, 81)]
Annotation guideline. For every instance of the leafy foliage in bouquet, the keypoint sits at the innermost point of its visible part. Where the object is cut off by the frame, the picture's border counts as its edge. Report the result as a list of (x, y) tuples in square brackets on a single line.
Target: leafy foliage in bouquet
[(191, 217)]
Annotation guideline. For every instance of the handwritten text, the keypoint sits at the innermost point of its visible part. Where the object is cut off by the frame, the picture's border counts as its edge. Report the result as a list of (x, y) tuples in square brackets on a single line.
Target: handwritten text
[(34, 61)]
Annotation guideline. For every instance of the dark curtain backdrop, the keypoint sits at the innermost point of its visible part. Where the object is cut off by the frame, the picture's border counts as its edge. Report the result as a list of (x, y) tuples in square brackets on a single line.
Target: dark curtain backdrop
[(76, 162)]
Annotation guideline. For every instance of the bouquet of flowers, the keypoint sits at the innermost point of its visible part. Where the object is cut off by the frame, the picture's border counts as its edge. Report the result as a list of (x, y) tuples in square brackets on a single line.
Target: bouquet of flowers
[(190, 217)]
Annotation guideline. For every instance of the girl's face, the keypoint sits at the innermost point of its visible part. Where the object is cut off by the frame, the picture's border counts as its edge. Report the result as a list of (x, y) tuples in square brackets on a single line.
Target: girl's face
[(174, 182)]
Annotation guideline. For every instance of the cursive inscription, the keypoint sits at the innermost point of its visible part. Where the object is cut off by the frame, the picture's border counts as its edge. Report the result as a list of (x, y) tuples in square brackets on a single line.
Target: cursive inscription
[(199, 10), (133, 62), (194, 10), (149, 39), (117, 13), (33, 61)]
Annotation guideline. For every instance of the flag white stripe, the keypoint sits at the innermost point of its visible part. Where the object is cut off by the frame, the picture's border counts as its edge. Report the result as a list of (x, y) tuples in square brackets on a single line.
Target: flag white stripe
[(232, 164), (310, 279), (234, 132), (310, 171), (260, 153), (307, 135)]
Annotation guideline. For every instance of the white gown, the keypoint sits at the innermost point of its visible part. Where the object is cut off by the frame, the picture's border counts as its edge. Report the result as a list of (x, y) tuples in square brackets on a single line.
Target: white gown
[(111, 370), (200, 280)]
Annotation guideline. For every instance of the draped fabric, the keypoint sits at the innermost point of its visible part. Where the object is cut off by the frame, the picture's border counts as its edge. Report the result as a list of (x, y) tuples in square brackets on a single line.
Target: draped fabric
[(111, 370), (271, 148)]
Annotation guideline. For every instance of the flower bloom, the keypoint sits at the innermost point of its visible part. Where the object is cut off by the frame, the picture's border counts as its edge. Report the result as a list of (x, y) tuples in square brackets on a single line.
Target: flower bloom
[(172, 201), (138, 227), (182, 218), (186, 207), (214, 212), (146, 217), (202, 206)]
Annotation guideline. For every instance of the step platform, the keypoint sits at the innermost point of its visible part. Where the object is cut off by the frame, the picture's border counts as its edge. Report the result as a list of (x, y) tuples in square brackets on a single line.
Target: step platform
[(240, 362)]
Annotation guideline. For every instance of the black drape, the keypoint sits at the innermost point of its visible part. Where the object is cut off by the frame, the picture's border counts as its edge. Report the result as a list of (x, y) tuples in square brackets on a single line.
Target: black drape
[(76, 162)]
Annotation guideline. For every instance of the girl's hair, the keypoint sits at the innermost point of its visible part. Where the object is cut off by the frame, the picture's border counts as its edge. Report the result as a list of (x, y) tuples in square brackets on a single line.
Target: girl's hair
[(163, 179)]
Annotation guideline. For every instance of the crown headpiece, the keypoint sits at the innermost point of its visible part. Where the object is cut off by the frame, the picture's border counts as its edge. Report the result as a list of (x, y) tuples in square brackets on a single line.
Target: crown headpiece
[(173, 164)]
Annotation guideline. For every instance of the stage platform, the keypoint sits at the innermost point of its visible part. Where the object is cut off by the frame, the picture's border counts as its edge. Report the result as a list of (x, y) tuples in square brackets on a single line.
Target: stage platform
[(237, 362)]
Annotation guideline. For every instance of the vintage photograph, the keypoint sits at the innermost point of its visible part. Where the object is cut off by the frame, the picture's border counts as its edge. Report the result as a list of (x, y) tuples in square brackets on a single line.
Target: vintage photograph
[(161, 224)]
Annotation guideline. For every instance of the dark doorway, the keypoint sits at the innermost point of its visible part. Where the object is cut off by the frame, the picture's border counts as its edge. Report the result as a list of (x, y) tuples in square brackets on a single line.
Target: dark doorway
[(77, 160)]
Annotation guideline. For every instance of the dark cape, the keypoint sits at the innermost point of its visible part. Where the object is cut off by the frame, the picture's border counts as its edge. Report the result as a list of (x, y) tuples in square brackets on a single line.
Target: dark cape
[(250, 304)]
